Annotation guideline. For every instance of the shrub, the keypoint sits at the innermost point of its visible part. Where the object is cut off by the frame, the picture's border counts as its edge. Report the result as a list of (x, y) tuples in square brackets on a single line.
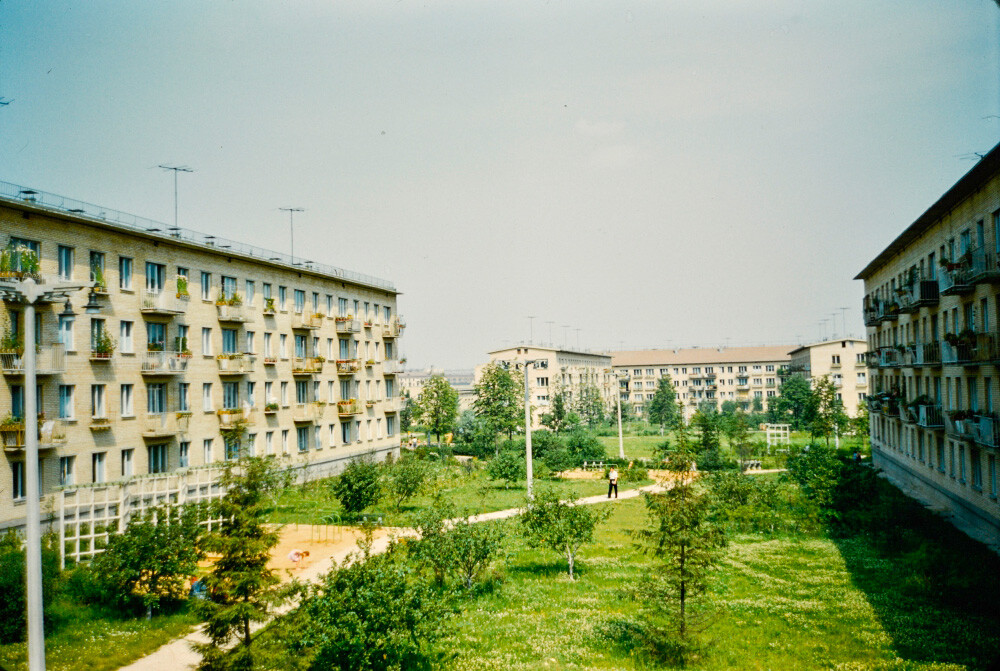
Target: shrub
[(585, 447), (509, 466), (359, 486), (13, 605)]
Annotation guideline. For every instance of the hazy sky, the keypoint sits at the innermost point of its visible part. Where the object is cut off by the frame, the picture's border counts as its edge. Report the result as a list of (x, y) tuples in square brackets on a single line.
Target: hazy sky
[(654, 174)]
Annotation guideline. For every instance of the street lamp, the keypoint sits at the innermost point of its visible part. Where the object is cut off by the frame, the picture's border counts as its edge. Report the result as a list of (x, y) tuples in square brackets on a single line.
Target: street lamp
[(524, 365), (29, 292), (618, 401)]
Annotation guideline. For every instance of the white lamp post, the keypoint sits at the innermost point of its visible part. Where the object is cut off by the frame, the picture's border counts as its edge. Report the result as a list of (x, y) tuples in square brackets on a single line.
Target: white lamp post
[(618, 402), (537, 363), (28, 292)]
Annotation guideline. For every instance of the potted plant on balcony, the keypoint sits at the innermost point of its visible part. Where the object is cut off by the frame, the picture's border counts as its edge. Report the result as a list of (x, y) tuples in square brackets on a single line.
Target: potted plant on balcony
[(271, 407), (10, 343), (154, 346), (182, 287), (235, 300), (269, 308), (104, 346), (181, 347), (100, 284), (18, 263), (340, 319)]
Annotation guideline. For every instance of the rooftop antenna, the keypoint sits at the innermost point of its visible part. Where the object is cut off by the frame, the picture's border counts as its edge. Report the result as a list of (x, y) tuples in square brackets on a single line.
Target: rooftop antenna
[(550, 332), (577, 338), (291, 229), (176, 169), (843, 314), (565, 335), (531, 329)]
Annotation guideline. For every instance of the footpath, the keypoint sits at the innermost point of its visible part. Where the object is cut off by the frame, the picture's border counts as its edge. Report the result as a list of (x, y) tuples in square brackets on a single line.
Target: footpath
[(324, 551)]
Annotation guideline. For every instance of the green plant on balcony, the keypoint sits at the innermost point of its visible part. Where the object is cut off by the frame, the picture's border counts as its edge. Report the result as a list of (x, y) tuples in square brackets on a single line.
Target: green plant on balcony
[(154, 346), (182, 286), (271, 407), (922, 399), (10, 422), (950, 338), (100, 283), (320, 360), (344, 318), (104, 345), (232, 433), (967, 337), (18, 263), (235, 300), (228, 356), (10, 342), (269, 306), (181, 346), (961, 415)]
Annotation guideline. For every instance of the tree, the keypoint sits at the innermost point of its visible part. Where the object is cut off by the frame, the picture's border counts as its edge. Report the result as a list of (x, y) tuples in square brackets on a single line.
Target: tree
[(508, 466), (148, 563), (437, 406), (561, 526), (241, 588), (663, 408), (796, 403), (687, 546), (707, 423), (584, 447), (406, 414), (736, 427), (404, 479), (14, 604), (500, 399), (472, 546), (829, 416), (590, 405), (859, 425), (556, 418), (359, 485)]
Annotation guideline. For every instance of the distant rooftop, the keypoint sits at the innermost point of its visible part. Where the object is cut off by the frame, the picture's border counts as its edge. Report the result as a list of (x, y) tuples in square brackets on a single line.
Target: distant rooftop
[(701, 355), (549, 347), (42, 200)]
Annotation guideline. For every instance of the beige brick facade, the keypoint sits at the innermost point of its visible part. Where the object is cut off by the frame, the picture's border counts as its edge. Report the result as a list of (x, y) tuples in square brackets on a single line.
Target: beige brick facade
[(844, 361), (932, 304), (314, 378)]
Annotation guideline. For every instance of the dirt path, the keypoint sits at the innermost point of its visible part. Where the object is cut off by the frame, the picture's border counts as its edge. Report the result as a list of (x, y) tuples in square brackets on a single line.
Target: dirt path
[(325, 545)]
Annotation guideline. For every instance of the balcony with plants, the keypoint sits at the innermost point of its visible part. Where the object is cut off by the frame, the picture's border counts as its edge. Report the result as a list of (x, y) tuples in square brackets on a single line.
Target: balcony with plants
[(307, 365), (269, 307), (983, 265), (347, 324), (348, 366), (348, 407), (393, 366), (163, 424), (271, 407), (967, 348), (307, 320), (235, 363), (232, 309), (102, 347), (158, 361), (51, 433), (891, 356), (955, 276), (49, 360), (987, 430), (961, 423), (311, 411), (162, 302), (19, 263), (231, 418)]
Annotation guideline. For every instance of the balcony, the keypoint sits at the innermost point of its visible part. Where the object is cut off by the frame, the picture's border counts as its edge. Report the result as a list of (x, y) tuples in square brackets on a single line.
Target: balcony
[(955, 279), (890, 357), (348, 325), (162, 424), (308, 412), (983, 266), (51, 433), (49, 360), (908, 414), (392, 367), (162, 303), (930, 416), (872, 312), (927, 354), (890, 311), (270, 361), (967, 348), (394, 404), (986, 431), (871, 359), (164, 363), (234, 313), (101, 420), (309, 365), (392, 329), (917, 294), (961, 424), (307, 320), (229, 418), (348, 366), (235, 364), (348, 407)]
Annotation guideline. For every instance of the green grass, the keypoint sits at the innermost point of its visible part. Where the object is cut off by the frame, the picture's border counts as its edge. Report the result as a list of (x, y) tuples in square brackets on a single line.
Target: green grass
[(786, 603), (472, 492), (95, 643)]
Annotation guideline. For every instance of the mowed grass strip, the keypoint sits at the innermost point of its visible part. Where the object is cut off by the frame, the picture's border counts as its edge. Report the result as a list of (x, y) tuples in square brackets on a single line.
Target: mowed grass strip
[(784, 603)]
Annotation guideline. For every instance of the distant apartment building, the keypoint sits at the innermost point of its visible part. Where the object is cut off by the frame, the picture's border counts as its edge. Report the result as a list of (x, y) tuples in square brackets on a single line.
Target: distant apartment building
[(462, 380), (746, 375), (567, 372), (844, 361), (932, 305), (192, 335)]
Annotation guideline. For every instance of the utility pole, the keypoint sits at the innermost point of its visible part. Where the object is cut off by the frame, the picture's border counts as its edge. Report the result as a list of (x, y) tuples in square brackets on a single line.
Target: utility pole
[(176, 169), (531, 329), (291, 229)]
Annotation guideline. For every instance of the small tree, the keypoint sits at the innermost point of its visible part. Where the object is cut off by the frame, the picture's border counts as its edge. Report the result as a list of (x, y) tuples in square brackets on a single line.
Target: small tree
[(406, 414), (509, 466), (555, 419), (500, 399), (561, 526), (472, 546), (359, 485), (437, 406), (829, 416), (14, 604), (405, 479), (663, 408), (241, 588), (589, 405), (148, 563)]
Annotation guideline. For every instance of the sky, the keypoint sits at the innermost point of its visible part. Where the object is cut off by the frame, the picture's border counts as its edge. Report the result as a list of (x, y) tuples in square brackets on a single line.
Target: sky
[(630, 174)]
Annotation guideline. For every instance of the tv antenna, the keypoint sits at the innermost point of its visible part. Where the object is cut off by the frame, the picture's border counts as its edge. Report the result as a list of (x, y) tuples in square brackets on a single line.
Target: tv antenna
[(291, 229), (176, 169)]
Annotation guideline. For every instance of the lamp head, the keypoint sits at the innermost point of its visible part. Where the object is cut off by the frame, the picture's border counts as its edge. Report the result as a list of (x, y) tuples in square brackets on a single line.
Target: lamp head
[(93, 306)]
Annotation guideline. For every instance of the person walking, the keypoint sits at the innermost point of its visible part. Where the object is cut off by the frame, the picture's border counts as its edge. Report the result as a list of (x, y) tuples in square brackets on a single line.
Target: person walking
[(613, 481)]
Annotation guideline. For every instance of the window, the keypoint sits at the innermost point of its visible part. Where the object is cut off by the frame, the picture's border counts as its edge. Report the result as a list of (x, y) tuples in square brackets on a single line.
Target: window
[(125, 273), (96, 333), (770, 367), (284, 441), (17, 477), (268, 389), (300, 346), (390, 426), (251, 292), (267, 344), (157, 458), (251, 388), (97, 464), (342, 307), (329, 305), (300, 301), (206, 448), (229, 341), (230, 395), (66, 468), (184, 450), (317, 437), (284, 393), (315, 302), (66, 401), (156, 337), (206, 396), (97, 407), (181, 343), (301, 392), (125, 337), (282, 298), (228, 287), (251, 344), (302, 438), (232, 450), (283, 345), (97, 271), (128, 469), (269, 442), (206, 341), (156, 277), (345, 433), (66, 332), (206, 286), (65, 263), (126, 401), (183, 397)]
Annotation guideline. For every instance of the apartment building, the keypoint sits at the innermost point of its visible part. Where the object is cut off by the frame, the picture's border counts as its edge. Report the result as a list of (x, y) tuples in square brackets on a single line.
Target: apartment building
[(566, 371), (932, 301), (844, 361), (199, 348), (745, 375), (462, 380)]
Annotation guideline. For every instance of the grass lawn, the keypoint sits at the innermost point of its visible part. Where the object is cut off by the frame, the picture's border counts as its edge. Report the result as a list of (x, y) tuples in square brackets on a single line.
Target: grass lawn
[(472, 492), (95, 643), (787, 603)]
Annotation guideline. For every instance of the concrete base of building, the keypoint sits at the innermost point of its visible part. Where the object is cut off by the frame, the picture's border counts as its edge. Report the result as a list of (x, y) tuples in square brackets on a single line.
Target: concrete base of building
[(965, 516)]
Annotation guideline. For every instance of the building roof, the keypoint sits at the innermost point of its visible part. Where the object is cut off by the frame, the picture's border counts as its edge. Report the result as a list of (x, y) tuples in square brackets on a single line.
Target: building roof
[(970, 182), (700, 355), (826, 342), (557, 350)]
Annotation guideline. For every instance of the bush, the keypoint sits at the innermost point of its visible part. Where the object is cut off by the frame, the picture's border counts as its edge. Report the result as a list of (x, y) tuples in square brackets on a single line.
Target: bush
[(585, 447), (359, 486), (14, 604), (405, 479), (509, 466), (560, 459)]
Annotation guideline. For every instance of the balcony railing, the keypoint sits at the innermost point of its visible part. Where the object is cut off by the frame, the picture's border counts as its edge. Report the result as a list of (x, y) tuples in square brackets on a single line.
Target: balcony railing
[(391, 330), (102, 420), (889, 357), (51, 433), (968, 349), (231, 417), (307, 365), (394, 404), (955, 279), (983, 266), (164, 363), (927, 354), (234, 313), (930, 416), (348, 325), (348, 407), (392, 367), (171, 423), (987, 431), (49, 360), (307, 320), (918, 294), (162, 303), (308, 412), (235, 364), (348, 366), (960, 424)]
